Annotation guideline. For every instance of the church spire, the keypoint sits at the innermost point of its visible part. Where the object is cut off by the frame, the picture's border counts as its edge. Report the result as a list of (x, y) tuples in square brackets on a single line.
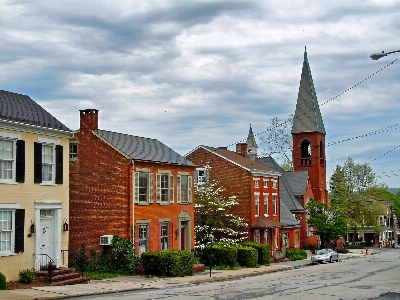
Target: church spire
[(251, 145), (307, 117)]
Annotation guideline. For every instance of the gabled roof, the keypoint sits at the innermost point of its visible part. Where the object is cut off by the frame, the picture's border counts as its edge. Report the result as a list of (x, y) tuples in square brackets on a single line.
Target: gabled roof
[(286, 216), (22, 109), (297, 181), (143, 149), (239, 160), (307, 117), (286, 192)]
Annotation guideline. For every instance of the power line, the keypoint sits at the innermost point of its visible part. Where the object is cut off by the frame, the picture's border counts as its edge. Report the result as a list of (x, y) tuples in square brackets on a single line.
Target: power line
[(385, 153)]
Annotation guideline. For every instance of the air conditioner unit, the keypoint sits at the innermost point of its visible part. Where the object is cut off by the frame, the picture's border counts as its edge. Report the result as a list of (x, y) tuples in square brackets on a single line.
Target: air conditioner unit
[(106, 240)]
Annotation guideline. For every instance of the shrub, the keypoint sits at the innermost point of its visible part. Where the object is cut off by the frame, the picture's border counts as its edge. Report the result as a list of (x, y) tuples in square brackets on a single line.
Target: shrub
[(344, 250), (123, 256), (2, 281), (247, 256), (26, 276), (296, 254), (225, 256), (168, 263), (263, 251)]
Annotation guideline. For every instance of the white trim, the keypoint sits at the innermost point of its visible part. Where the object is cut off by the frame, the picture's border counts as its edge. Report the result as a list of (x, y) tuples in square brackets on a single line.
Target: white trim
[(19, 126), (9, 205), (9, 135), (48, 141)]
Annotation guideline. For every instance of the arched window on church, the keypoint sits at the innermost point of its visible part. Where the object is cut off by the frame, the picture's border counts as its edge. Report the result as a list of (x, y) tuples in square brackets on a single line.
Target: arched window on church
[(321, 154), (305, 153)]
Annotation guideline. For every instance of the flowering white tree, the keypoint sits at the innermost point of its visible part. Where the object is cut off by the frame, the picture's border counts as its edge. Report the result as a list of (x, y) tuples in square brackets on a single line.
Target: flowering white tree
[(212, 215)]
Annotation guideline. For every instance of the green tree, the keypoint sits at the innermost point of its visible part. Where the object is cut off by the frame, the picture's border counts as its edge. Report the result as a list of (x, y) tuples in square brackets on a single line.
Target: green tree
[(213, 215), (327, 223), (278, 140)]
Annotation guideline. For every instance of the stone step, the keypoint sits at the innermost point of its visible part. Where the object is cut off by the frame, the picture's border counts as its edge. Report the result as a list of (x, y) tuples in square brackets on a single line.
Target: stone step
[(72, 281)]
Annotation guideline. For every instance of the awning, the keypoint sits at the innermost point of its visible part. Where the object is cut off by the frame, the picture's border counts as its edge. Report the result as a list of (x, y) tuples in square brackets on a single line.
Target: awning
[(267, 223)]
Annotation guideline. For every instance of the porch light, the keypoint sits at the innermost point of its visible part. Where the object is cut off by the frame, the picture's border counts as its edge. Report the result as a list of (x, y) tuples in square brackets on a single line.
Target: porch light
[(33, 227), (65, 225)]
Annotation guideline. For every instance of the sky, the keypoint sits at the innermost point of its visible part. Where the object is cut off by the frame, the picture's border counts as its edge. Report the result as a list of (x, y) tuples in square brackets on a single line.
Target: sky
[(192, 73)]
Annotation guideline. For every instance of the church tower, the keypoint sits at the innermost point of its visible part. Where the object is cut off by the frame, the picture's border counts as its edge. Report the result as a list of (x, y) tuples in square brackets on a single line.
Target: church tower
[(308, 134), (251, 145)]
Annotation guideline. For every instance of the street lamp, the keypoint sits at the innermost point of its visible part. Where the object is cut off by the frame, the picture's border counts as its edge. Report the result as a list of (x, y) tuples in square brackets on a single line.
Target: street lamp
[(211, 238), (376, 56)]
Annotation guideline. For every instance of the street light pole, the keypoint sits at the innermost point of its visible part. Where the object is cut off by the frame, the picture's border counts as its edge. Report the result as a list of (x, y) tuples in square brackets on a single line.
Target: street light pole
[(376, 56), (211, 237)]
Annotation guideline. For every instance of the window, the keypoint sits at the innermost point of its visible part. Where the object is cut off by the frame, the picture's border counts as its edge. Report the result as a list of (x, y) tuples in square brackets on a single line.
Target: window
[(276, 238), (265, 205), (73, 151), (48, 162), (165, 188), (143, 238), (201, 176), (257, 205), (274, 184), (12, 158), (286, 239), (11, 229), (274, 205), (164, 235), (257, 235), (265, 182), (144, 187), (296, 239), (256, 181), (184, 185), (266, 241)]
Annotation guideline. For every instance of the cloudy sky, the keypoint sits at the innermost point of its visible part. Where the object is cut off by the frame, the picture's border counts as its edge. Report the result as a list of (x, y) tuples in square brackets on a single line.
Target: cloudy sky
[(195, 73)]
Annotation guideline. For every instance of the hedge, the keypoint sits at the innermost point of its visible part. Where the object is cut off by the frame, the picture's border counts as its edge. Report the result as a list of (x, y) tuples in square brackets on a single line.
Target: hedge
[(297, 254), (247, 256), (263, 251), (221, 255), (168, 263)]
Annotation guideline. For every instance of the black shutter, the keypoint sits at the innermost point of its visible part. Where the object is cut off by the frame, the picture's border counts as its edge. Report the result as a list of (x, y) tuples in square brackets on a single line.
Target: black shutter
[(20, 162), (59, 164), (37, 158), (19, 230)]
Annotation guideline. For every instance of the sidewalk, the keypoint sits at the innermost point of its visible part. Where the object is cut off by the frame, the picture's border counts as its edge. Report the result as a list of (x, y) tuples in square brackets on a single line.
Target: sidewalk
[(128, 283)]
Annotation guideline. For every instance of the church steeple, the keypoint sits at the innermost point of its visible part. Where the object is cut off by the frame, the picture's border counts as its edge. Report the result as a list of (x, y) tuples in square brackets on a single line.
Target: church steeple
[(251, 145), (307, 117)]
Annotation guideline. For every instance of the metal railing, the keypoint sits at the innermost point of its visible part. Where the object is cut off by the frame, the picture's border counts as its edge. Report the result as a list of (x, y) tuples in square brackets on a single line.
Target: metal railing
[(45, 263)]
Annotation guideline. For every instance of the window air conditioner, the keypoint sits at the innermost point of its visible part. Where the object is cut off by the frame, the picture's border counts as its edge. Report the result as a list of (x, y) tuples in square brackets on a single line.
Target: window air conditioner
[(106, 240)]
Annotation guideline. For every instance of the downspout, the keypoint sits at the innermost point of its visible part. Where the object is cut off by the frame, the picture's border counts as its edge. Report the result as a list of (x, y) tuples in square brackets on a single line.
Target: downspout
[(133, 201)]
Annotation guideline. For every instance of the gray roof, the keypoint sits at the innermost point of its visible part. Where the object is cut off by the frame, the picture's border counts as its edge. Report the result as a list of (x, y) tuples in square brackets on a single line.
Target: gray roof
[(22, 109), (286, 216), (144, 149), (297, 181), (286, 192), (307, 117)]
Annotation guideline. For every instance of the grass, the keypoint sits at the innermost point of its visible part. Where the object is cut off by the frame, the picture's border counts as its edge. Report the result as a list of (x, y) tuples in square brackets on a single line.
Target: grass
[(100, 276)]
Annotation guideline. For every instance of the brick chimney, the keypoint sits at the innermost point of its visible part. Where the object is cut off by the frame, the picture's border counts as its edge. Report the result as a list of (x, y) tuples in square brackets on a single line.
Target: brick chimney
[(89, 120), (241, 148)]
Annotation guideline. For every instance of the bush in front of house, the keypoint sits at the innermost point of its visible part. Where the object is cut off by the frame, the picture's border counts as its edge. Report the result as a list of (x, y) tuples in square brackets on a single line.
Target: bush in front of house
[(224, 256), (263, 251), (2, 281), (26, 276), (247, 256), (168, 263), (296, 254), (344, 250)]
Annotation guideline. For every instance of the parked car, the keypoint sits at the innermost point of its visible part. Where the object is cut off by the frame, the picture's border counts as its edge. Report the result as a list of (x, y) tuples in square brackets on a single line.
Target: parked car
[(324, 255)]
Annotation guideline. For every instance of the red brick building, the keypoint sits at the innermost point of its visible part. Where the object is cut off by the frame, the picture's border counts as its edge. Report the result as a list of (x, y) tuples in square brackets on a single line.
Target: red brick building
[(128, 185), (255, 186)]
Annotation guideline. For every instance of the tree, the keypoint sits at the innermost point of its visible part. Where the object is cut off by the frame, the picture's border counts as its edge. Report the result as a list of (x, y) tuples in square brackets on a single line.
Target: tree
[(351, 195), (327, 223), (278, 140), (212, 215)]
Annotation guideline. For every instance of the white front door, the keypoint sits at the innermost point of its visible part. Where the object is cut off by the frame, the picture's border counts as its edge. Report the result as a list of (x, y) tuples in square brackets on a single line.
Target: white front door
[(46, 237)]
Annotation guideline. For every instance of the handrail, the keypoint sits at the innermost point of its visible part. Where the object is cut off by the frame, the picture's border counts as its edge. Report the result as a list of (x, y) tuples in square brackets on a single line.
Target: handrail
[(48, 264)]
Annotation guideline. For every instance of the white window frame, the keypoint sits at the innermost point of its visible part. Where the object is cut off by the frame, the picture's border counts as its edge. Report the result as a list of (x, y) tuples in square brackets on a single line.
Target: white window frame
[(266, 236), (143, 237), (184, 195), (296, 238), (73, 153), (265, 183), (9, 208), (201, 179), (256, 182), (266, 206), (52, 164), (165, 239), (275, 204), (166, 191), (256, 236), (10, 137), (274, 183), (149, 187), (257, 204)]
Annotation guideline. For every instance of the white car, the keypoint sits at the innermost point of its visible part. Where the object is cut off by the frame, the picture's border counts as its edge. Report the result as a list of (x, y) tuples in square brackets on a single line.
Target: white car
[(324, 255)]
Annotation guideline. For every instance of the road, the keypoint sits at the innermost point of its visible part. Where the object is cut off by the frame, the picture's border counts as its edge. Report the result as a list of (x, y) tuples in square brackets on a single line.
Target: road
[(369, 277)]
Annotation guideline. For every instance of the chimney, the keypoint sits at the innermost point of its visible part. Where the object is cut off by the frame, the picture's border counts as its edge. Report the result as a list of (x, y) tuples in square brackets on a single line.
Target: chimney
[(89, 120), (241, 148)]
